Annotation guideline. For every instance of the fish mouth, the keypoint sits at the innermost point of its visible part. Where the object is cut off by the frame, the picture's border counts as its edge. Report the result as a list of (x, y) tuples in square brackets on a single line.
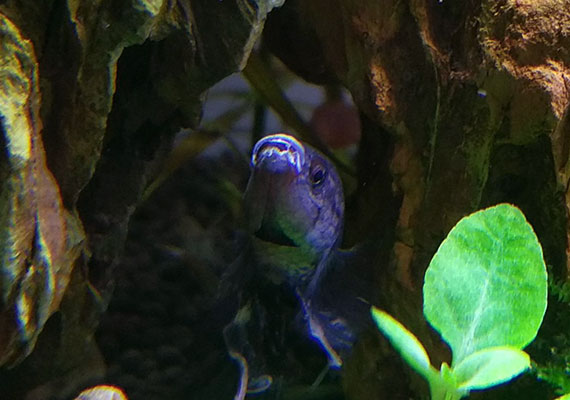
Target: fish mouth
[(278, 153)]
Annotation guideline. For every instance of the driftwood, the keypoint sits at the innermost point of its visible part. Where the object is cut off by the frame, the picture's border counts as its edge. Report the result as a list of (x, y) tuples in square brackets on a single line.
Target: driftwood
[(464, 104), (91, 95)]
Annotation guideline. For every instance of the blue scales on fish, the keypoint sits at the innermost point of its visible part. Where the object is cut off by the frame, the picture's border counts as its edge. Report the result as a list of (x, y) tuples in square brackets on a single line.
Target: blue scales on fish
[(294, 213)]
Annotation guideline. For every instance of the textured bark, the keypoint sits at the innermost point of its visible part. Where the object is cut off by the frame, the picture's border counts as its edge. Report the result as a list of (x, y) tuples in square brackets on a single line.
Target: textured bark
[(473, 96), (91, 95)]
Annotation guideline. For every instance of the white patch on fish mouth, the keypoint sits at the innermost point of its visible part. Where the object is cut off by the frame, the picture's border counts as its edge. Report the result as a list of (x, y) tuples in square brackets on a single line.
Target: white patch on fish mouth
[(279, 147)]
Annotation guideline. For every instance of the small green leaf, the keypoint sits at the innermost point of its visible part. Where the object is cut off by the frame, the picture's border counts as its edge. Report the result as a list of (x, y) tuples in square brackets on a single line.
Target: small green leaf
[(446, 386), (487, 284), (447, 375), (405, 342), (490, 367)]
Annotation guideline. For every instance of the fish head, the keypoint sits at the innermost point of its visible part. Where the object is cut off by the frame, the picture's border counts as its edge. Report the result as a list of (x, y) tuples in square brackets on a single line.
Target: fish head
[(294, 196)]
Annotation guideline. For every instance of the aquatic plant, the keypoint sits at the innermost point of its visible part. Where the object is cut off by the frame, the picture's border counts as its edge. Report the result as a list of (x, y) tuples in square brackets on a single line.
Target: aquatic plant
[(485, 293)]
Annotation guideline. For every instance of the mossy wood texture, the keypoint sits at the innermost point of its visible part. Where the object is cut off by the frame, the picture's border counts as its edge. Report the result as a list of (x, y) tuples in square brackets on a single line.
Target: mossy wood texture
[(35, 263), (472, 97), (91, 95), (460, 86)]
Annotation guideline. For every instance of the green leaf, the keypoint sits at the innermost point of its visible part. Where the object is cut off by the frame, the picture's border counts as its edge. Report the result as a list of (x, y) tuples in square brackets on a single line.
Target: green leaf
[(487, 284), (405, 342), (446, 386), (490, 367), (565, 397)]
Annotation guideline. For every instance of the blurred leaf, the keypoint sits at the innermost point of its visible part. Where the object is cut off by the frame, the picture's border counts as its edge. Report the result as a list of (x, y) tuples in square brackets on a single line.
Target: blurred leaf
[(225, 121), (234, 94), (263, 80), (196, 142), (186, 150), (230, 195)]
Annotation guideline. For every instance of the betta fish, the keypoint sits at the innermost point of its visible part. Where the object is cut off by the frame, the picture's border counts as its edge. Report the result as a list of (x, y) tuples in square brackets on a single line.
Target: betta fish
[(294, 212)]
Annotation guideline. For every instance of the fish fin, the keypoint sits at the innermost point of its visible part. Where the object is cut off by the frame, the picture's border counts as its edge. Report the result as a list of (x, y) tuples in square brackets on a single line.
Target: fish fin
[(317, 330), (240, 349), (336, 303)]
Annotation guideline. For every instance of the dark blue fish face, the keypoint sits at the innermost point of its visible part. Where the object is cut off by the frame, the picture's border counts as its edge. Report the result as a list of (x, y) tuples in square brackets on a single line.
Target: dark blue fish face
[(294, 196)]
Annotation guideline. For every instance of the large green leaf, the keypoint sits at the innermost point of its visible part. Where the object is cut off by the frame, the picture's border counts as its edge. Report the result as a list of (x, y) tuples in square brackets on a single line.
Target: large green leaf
[(405, 342), (490, 367), (487, 284)]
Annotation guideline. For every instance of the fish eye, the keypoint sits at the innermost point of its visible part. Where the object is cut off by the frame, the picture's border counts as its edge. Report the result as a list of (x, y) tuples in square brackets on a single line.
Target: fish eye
[(318, 174)]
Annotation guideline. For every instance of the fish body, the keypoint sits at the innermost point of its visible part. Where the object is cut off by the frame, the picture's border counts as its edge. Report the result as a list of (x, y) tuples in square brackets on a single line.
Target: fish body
[(294, 210), (294, 207)]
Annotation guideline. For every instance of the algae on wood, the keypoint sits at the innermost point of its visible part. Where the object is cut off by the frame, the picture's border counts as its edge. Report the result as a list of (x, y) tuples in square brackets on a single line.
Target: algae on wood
[(91, 96), (473, 98), (35, 263)]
